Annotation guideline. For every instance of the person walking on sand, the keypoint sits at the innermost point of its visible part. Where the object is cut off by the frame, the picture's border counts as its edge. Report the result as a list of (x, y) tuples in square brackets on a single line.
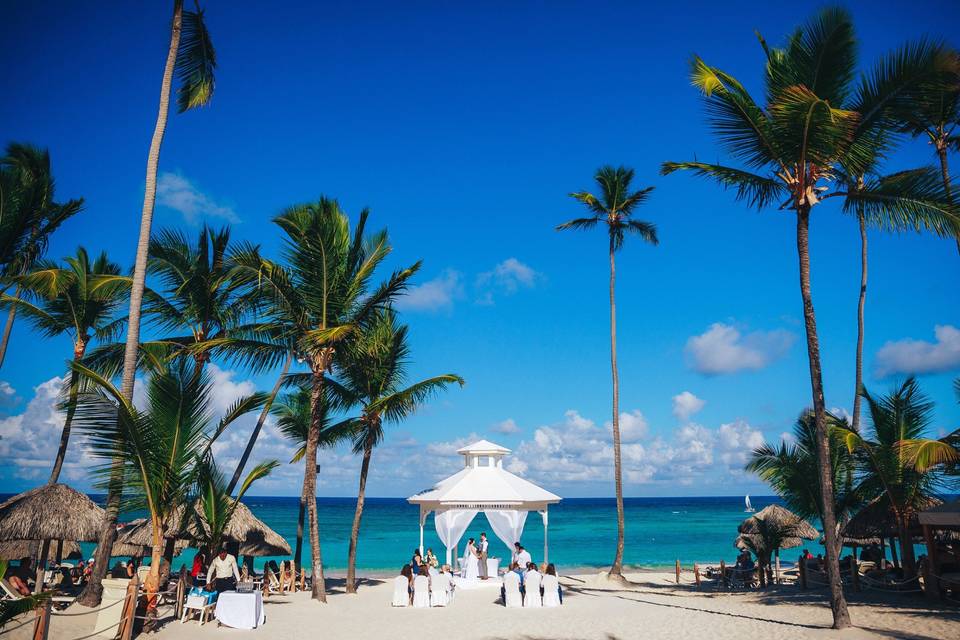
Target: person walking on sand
[(482, 553)]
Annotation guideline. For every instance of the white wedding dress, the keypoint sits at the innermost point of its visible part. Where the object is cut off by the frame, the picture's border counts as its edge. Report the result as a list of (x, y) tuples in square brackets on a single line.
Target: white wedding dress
[(470, 565)]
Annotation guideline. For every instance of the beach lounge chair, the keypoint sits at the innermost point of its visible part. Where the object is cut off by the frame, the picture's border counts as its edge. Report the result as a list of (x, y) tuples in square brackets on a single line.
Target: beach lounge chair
[(8, 593), (551, 591), (531, 587), (421, 591), (439, 590), (511, 590), (401, 591)]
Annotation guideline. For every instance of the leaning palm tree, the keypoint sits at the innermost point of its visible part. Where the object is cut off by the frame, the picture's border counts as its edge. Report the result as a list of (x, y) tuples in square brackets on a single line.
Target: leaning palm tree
[(614, 207), (320, 300), (887, 472), (372, 368), (191, 57), (161, 448), (73, 300), (29, 214)]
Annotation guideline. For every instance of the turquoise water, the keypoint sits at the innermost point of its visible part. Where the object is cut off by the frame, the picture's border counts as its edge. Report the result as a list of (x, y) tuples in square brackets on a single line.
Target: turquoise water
[(582, 531)]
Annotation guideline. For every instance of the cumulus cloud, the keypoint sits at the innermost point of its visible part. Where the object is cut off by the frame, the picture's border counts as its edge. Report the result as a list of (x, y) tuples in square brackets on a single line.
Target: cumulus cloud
[(685, 404), (909, 356), (723, 349), (507, 278), (8, 395), (433, 295), (180, 194), (506, 427), (633, 426)]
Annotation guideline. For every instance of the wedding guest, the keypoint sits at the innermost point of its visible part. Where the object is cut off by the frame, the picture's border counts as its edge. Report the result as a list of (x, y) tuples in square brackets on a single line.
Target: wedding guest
[(552, 571), (407, 572), (531, 568), (432, 559), (523, 556), (416, 561), (224, 570)]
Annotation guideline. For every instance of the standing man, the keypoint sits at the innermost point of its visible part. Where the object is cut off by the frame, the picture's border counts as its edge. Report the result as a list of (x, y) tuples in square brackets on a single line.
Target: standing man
[(223, 570), (523, 557), (483, 555)]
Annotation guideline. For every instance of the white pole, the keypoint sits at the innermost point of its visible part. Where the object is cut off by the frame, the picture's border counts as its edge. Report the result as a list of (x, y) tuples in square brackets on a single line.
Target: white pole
[(421, 539), (546, 546)]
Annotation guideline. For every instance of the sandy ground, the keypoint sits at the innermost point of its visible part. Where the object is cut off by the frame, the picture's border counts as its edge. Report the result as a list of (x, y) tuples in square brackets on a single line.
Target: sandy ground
[(652, 606)]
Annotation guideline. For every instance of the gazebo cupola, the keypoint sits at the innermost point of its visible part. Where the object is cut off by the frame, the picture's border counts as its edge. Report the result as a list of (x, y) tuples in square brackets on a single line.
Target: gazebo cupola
[(483, 454)]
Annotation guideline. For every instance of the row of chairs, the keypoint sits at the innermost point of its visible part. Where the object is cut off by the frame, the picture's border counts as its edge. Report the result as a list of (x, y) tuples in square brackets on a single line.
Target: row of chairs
[(531, 596), (437, 590)]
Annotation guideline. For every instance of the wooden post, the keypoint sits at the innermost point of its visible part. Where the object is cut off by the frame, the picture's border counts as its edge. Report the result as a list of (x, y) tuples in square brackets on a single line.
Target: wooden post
[(855, 573), (41, 626), (931, 584), (678, 570), (303, 580), (181, 593), (803, 573), (129, 613), (723, 573), (266, 583), (696, 574)]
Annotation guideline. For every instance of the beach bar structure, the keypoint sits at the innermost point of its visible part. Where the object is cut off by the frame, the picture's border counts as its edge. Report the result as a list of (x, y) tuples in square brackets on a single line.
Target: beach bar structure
[(483, 485), (943, 518)]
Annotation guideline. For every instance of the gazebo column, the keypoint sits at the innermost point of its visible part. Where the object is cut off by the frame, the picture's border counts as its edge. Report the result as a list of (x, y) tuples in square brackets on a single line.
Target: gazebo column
[(546, 545), (423, 519)]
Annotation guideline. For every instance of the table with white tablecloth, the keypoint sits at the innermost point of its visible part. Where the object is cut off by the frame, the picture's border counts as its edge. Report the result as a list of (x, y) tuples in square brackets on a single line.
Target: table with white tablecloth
[(240, 610), (493, 566)]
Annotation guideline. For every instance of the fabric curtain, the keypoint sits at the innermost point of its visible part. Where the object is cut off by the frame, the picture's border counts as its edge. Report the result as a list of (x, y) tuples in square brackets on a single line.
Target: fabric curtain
[(450, 527), (508, 525)]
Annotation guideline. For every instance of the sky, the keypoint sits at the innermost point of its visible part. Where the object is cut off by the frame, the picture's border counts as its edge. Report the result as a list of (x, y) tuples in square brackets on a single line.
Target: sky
[(464, 127)]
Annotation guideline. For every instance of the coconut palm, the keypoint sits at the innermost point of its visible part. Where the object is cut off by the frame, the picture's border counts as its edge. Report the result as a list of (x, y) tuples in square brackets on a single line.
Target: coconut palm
[(887, 471), (320, 299), (215, 506), (614, 207), (372, 368), (191, 57), (769, 531), (29, 214), (161, 448), (73, 300), (792, 471), (926, 453)]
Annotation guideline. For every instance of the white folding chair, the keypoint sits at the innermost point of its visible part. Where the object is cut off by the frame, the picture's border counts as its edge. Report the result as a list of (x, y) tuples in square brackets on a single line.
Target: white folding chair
[(421, 591), (531, 588), (451, 587), (199, 605), (401, 591), (440, 590), (551, 591), (511, 590)]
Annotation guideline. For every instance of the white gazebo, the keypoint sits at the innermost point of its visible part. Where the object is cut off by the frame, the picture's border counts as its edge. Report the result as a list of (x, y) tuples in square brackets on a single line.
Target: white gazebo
[(483, 485)]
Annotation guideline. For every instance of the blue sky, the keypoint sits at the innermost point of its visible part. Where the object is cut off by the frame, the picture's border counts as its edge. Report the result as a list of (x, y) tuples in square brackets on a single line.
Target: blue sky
[(463, 126)]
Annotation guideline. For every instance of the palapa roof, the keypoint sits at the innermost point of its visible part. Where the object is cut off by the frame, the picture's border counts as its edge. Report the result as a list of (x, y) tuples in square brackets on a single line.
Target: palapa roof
[(13, 549), (877, 519), (50, 512), (944, 515), (777, 515)]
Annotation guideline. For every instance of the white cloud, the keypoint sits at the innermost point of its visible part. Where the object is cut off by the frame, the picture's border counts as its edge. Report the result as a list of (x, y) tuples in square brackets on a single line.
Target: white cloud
[(506, 427), (919, 356), (433, 295), (723, 349), (685, 404), (633, 426), (507, 277), (178, 193)]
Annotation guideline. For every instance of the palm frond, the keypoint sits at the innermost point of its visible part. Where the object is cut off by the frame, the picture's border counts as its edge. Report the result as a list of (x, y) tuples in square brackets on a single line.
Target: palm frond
[(757, 191), (195, 64)]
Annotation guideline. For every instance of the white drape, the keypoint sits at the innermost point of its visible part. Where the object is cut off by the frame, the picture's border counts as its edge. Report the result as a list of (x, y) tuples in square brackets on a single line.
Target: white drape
[(450, 527), (508, 525)]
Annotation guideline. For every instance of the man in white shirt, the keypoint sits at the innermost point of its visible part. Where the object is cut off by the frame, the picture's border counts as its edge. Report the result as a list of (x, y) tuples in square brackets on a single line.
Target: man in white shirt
[(223, 573), (523, 556), (483, 555)]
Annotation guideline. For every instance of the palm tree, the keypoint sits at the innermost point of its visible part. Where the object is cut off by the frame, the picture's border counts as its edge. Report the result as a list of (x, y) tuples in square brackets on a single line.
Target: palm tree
[(161, 448), (614, 208), (320, 300), (294, 416), (215, 505), (887, 470), (191, 56), (372, 368), (73, 300), (792, 471), (926, 453), (29, 214)]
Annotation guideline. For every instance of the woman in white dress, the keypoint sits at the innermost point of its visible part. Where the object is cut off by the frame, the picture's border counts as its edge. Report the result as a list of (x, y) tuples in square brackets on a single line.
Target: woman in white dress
[(471, 562)]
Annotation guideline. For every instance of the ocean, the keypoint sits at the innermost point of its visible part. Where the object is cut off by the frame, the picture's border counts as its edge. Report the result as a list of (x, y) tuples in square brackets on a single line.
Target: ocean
[(582, 531)]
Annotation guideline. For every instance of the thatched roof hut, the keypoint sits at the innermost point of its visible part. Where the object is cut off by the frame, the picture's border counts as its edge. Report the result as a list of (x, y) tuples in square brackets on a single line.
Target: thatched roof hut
[(798, 528), (50, 512), (877, 520), (13, 549)]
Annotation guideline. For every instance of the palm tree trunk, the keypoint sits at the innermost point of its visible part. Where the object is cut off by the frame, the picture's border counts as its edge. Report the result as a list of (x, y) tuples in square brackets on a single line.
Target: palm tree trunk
[(297, 554), (858, 385), (152, 583), (944, 170), (11, 316), (310, 476), (893, 553), (355, 530), (256, 430), (92, 592), (617, 568), (906, 547), (68, 420), (838, 604)]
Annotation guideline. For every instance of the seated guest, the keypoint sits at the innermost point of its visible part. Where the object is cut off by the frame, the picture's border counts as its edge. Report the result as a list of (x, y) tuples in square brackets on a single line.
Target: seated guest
[(552, 571), (416, 561), (119, 570), (516, 568), (198, 564), (407, 572), (223, 572), (531, 568), (88, 569), (18, 577)]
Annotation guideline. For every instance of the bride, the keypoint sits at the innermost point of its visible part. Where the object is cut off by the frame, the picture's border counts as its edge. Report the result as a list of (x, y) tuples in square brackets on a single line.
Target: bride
[(470, 562)]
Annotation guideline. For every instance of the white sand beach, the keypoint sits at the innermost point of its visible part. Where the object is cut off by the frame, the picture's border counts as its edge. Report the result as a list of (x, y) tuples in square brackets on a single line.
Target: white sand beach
[(651, 607)]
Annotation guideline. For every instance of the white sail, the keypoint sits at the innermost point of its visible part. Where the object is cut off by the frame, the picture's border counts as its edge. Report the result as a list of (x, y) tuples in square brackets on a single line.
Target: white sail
[(746, 502)]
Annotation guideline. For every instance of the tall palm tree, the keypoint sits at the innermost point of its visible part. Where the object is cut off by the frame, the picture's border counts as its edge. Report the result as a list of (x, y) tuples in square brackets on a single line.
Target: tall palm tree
[(888, 473), (792, 146), (161, 447), (191, 57), (614, 207), (294, 416), (73, 300), (372, 368), (29, 214), (321, 298)]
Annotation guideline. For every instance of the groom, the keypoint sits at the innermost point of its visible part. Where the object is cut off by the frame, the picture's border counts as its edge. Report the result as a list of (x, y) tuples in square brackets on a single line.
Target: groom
[(482, 549)]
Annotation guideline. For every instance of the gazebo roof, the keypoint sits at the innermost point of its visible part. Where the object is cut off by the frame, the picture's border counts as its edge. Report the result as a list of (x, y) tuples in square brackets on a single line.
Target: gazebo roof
[(484, 487), (944, 515)]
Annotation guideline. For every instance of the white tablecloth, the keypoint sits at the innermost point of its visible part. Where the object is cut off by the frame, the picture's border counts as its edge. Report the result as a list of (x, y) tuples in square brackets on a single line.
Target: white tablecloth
[(240, 610), (493, 565)]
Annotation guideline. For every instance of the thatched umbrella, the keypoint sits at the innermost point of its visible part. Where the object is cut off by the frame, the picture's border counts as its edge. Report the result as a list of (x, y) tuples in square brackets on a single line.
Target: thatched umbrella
[(877, 521), (50, 512), (13, 549), (790, 529)]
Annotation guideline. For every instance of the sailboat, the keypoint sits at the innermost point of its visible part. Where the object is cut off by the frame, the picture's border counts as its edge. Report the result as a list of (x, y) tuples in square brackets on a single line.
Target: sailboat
[(749, 507)]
